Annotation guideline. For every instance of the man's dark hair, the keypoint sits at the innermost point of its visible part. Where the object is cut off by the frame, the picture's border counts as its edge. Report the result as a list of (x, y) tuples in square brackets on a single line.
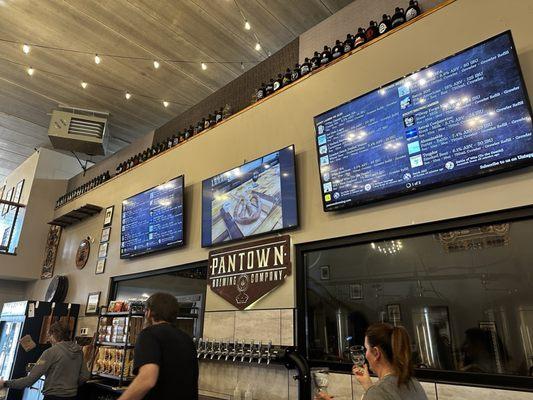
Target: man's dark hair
[(163, 307), (59, 331)]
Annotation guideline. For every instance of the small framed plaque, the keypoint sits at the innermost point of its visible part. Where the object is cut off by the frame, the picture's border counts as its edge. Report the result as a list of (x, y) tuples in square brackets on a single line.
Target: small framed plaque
[(106, 232), (108, 218), (100, 266), (102, 251), (324, 273)]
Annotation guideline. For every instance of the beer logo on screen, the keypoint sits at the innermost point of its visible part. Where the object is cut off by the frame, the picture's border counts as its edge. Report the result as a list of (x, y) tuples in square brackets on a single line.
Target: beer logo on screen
[(243, 274)]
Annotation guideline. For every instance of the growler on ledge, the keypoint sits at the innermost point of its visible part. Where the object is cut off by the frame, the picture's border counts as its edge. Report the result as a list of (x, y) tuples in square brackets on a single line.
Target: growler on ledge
[(372, 31), (398, 18), (295, 74), (360, 38), (306, 67), (337, 50), (348, 43), (412, 11)]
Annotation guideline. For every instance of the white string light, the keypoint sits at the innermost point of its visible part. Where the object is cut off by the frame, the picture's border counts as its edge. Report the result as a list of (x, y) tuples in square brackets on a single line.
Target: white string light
[(258, 46), (156, 64), (84, 85), (30, 71), (127, 95), (204, 66), (247, 26), (97, 59), (165, 103), (26, 49)]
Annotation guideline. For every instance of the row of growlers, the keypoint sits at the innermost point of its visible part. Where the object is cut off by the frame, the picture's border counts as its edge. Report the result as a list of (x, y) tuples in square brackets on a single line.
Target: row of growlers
[(328, 54), (173, 140), (238, 351), (83, 189)]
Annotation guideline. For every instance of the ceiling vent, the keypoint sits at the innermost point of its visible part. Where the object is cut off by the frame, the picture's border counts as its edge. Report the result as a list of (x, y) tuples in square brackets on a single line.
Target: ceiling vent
[(79, 130)]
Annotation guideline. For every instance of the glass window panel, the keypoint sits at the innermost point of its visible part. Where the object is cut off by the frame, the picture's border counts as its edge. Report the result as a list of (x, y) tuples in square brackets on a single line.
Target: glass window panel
[(465, 297)]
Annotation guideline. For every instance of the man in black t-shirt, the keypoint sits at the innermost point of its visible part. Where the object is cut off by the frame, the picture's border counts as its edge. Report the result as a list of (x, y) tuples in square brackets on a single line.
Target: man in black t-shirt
[(165, 357)]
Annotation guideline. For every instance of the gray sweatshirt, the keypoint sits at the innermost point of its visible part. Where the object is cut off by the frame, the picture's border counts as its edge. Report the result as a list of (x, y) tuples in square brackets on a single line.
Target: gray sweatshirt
[(63, 368)]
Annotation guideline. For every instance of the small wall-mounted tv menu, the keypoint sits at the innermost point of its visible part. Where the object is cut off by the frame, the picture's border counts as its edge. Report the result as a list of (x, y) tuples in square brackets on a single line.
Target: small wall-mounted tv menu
[(461, 118), (256, 198), (153, 220)]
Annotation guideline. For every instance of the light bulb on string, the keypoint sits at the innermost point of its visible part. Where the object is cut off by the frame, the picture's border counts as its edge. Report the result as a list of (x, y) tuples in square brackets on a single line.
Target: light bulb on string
[(26, 48), (127, 95), (258, 46), (247, 26), (165, 103), (30, 71), (97, 59), (156, 64), (204, 66), (242, 65), (84, 85)]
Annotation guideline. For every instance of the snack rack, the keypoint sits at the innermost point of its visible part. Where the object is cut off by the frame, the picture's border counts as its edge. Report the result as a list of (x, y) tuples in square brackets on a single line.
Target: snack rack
[(114, 346)]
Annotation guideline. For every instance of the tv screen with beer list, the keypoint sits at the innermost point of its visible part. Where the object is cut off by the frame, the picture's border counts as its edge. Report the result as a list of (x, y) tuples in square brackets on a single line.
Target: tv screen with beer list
[(256, 198), (460, 118), (153, 220)]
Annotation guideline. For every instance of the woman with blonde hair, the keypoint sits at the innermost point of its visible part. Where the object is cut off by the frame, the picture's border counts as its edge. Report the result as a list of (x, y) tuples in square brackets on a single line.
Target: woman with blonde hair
[(388, 353)]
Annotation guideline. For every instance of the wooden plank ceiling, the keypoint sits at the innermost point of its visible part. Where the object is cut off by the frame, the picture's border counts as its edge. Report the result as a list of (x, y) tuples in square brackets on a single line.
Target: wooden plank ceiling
[(197, 30)]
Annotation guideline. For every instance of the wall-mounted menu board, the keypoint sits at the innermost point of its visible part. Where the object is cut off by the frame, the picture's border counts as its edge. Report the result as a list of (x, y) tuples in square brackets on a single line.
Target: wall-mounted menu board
[(256, 198), (461, 118), (153, 220)]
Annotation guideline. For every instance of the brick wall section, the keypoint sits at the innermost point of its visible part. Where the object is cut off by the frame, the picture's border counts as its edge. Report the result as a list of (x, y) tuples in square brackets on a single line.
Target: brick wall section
[(238, 93)]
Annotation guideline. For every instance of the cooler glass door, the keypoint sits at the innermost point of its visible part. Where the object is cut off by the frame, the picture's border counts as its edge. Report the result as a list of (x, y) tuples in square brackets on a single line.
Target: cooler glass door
[(10, 333)]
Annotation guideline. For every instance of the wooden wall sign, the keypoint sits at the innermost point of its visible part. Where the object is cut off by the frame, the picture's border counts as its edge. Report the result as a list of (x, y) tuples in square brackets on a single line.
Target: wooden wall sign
[(245, 273), (50, 252), (82, 255)]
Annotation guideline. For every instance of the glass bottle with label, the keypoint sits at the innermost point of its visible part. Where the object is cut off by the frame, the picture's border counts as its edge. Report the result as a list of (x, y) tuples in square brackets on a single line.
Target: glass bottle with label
[(337, 50), (306, 67), (206, 122), (325, 56), (287, 77), (295, 74), (277, 83), (315, 61), (269, 87), (372, 31), (200, 126), (385, 24), (260, 92), (412, 11), (398, 18), (348, 43), (218, 114), (359, 38)]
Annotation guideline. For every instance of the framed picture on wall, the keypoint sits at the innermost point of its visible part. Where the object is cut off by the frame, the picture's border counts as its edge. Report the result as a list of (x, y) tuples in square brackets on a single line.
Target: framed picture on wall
[(324, 273), (18, 191), (102, 251), (106, 232), (108, 218), (394, 313), (100, 266), (93, 300), (356, 291)]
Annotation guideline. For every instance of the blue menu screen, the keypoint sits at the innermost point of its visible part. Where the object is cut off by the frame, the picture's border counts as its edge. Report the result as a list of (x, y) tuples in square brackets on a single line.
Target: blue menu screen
[(460, 118), (153, 220)]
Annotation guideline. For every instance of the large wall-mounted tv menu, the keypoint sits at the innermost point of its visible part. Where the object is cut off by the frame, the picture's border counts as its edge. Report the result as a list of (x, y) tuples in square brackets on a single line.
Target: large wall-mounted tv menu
[(255, 198), (460, 118), (153, 220)]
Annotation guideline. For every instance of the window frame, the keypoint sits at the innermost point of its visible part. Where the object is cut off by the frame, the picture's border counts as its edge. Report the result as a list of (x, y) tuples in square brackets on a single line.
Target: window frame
[(498, 381)]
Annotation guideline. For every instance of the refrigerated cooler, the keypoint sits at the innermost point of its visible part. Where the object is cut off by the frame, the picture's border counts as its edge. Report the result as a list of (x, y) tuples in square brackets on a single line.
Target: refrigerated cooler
[(31, 318)]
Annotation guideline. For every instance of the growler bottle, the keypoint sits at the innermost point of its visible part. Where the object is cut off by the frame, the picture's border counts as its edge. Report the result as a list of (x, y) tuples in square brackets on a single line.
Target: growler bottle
[(372, 31), (200, 126), (175, 139), (337, 50), (269, 87), (218, 114), (162, 147), (107, 176), (295, 74), (348, 43), (306, 67), (359, 38), (325, 56), (212, 120), (315, 61), (286, 78), (207, 122), (412, 11), (277, 83), (385, 24), (190, 132), (398, 18), (169, 142)]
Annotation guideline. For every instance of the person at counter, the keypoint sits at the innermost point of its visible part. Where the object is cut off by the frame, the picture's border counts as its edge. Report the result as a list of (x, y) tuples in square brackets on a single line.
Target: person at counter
[(165, 357), (388, 352), (62, 366)]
